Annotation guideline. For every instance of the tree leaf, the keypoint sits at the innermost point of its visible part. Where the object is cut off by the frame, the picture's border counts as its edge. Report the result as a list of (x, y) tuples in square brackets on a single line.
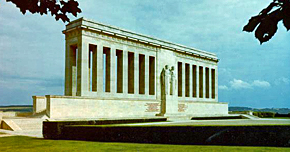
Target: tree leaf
[(253, 22), (266, 29), (63, 17), (268, 9), (286, 15), (286, 22), (44, 6)]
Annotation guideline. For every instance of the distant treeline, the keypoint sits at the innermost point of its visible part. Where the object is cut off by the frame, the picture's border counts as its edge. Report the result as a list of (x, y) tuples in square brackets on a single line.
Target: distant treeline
[(17, 108), (270, 114), (274, 110)]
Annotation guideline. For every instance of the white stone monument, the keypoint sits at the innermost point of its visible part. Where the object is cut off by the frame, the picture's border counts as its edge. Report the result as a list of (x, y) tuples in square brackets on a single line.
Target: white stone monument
[(113, 72)]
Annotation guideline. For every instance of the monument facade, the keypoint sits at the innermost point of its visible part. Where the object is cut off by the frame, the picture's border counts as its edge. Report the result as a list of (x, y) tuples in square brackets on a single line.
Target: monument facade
[(112, 72)]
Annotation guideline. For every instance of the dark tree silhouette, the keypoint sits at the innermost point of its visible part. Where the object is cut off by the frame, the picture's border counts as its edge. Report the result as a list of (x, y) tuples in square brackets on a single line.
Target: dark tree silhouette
[(267, 20), (57, 9)]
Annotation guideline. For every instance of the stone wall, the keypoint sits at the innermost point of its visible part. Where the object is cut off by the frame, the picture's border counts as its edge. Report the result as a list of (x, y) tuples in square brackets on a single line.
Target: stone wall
[(59, 107), (39, 104), (87, 107), (203, 108)]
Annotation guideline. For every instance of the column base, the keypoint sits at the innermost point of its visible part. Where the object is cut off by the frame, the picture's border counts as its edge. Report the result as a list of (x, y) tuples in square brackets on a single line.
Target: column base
[(174, 116), (171, 115)]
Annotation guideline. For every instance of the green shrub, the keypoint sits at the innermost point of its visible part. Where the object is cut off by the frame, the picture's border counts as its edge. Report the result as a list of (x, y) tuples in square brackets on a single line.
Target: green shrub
[(264, 114)]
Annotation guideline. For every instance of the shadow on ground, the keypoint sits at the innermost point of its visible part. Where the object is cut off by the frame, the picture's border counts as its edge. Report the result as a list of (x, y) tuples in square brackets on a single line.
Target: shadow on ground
[(266, 135)]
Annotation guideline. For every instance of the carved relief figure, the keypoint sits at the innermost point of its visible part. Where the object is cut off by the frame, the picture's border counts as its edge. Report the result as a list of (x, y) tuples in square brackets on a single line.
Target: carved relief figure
[(167, 79), (172, 81)]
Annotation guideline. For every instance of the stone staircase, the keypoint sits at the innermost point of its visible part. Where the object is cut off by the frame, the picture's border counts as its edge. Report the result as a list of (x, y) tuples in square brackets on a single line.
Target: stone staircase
[(16, 124), (250, 116)]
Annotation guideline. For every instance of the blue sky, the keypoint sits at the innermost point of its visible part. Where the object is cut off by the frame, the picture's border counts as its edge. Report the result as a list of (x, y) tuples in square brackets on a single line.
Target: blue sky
[(250, 74)]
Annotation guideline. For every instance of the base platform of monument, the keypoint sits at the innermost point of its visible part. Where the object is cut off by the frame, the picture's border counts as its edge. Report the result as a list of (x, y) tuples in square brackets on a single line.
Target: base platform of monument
[(174, 115), (76, 107), (239, 132), (171, 114)]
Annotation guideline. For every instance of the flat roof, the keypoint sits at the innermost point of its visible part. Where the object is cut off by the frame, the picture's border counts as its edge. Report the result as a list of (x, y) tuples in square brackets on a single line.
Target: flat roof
[(116, 31)]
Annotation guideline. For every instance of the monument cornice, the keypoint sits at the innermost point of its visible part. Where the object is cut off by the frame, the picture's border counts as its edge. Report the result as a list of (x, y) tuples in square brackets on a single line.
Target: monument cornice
[(119, 40), (86, 24)]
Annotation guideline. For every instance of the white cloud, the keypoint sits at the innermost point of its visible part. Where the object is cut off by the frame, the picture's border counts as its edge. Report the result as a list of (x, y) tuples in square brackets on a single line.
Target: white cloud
[(262, 84), (240, 84), (223, 87), (282, 80)]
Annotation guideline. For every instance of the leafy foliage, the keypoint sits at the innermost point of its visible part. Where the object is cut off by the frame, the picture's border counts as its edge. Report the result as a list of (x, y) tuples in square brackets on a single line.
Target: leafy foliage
[(57, 9), (267, 20), (264, 114)]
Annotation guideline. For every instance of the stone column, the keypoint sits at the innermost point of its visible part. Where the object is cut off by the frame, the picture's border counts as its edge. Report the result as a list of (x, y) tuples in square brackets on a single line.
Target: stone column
[(183, 80), (190, 81), (146, 75), (177, 81), (100, 65), (94, 68), (125, 72), (197, 82), (167, 80), (83, 67), (136, 71), (216, 84), (209, 75), (204, 83), (70, 69), (156, 77), (113, 70)]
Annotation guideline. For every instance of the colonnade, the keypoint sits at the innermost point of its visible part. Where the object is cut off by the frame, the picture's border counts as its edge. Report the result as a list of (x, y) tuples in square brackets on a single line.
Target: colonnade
[(96, 69), (195, 81), (106, 70)]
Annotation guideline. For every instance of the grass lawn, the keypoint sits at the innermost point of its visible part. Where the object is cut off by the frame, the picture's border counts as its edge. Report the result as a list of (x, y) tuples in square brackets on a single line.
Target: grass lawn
[(1, 133), (281, 118), (21, 143)]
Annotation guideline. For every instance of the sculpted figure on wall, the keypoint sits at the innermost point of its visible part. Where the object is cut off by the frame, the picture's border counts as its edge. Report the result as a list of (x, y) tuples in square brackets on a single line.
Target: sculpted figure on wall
[(167, 79), (172, 81)]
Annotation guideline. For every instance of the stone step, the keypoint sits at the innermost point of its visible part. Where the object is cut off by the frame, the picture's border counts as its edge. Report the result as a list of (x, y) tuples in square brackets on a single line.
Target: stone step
[(41, 115), (9, 125), (250, 116), (27, 123)]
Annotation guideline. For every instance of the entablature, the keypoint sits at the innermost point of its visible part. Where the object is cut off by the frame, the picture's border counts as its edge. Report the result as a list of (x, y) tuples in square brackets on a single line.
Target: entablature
[(108, 31)]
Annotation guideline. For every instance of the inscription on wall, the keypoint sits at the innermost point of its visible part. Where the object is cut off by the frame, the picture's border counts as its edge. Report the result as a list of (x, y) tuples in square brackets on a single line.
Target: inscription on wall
[(182, 107), (152, 107)]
